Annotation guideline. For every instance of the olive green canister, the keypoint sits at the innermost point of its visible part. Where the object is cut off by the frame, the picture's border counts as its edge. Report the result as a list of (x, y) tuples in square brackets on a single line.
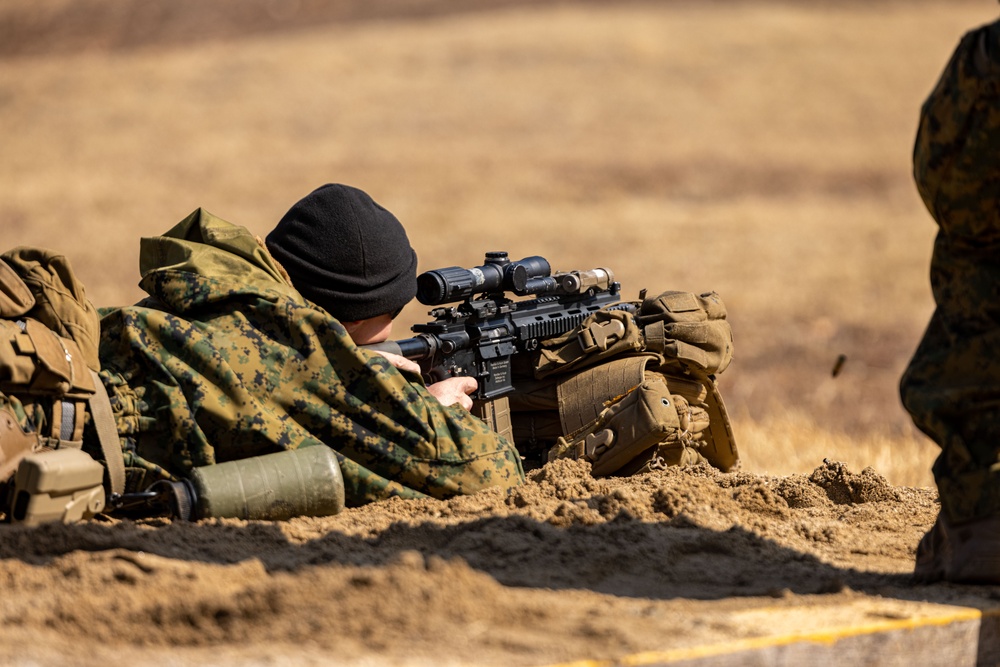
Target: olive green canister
[(272, 487)]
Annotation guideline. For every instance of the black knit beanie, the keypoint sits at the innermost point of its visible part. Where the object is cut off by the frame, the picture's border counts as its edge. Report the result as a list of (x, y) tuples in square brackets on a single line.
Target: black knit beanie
[(346, 254)]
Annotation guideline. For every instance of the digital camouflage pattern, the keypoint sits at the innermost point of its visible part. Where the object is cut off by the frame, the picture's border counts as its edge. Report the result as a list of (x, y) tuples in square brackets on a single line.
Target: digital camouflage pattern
[(225, 360), (952, 385)]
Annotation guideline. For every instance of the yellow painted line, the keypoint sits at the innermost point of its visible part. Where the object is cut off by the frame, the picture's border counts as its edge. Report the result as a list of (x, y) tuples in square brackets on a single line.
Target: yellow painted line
[(828, 637)]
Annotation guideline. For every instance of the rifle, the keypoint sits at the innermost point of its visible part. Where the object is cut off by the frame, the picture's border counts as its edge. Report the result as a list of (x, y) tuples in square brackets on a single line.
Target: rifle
[(481, 335)]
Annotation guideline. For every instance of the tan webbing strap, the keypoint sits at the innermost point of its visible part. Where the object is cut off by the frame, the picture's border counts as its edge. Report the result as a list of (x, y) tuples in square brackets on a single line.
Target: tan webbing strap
[(655, 335), (107, 433)]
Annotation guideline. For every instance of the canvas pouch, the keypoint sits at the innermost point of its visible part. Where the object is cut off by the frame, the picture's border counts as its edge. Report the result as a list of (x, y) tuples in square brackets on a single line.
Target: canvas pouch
[(603, 335), (45, 373), (689, 328), (686, 329), (628, 427), (620, 369)]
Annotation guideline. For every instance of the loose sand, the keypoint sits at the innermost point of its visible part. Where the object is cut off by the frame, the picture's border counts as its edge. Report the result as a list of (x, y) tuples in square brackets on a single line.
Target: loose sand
[(567, 567)]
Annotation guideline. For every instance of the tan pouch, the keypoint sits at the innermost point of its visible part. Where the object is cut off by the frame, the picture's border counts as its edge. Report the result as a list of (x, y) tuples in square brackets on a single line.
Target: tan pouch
[(604, 334), (15, 442), (689, 328), (60, 300), (719, 446), (36, 360), (543, 410), (629, 427), (582, 396), (49, 335), (704, 419)]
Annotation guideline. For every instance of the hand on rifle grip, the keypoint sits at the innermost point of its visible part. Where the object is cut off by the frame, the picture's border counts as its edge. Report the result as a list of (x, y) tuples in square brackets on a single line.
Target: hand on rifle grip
[(402, 363), (454, 391)]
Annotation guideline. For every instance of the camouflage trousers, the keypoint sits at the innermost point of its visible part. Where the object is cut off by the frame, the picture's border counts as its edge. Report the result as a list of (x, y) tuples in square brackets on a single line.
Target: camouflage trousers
[(952, 385)]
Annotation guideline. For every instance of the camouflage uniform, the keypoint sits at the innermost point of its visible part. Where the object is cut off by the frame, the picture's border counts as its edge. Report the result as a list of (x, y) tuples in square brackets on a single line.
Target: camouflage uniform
[(952, 385), (225, 360)]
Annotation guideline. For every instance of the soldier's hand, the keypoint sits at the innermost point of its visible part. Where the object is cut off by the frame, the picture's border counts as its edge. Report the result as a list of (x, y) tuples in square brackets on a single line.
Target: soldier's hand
[(454, 391), (402, 363)]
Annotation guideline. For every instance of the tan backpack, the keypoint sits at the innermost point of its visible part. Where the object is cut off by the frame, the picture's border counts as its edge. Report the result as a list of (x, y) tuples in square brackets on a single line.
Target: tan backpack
[(633, 391), (49, 335)]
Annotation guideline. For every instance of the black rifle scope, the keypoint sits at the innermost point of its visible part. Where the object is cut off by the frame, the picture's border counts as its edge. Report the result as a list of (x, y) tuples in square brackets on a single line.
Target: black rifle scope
[(497, 274)]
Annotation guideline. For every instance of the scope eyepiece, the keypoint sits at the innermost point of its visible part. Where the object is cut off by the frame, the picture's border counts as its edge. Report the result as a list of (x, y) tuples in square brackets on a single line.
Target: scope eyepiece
[(497, 274)]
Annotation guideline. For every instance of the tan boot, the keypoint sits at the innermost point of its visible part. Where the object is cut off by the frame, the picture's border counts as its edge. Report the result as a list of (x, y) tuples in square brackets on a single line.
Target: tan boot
[(961, 553)]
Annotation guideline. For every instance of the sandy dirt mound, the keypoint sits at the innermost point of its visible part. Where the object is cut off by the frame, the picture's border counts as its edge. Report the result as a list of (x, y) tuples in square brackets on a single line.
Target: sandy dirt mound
[(565, 567)]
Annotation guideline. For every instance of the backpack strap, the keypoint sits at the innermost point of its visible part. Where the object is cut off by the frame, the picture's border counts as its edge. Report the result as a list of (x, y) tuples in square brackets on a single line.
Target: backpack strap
[(107, 434)]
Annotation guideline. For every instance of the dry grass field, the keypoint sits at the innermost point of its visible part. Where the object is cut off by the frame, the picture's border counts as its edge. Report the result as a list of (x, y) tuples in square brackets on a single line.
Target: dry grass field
[(759, 148)]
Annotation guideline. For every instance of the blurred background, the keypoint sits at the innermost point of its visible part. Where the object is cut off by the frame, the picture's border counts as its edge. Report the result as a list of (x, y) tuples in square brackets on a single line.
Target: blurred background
[(759, 148)]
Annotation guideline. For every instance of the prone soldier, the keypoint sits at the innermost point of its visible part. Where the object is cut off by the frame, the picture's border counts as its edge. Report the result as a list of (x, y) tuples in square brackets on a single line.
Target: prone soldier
[(246, 348)]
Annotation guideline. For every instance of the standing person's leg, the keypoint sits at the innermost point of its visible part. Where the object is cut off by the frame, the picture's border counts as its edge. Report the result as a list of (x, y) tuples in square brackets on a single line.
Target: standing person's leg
[(952, 386)]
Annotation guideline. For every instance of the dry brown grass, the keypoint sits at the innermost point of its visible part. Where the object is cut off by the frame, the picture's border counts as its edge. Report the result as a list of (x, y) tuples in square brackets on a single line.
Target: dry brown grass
[(788, 442), (760, 149)]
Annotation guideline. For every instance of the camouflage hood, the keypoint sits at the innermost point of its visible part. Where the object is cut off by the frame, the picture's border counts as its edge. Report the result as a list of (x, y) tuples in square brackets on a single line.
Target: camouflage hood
[(227, 361), (204, 260)]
